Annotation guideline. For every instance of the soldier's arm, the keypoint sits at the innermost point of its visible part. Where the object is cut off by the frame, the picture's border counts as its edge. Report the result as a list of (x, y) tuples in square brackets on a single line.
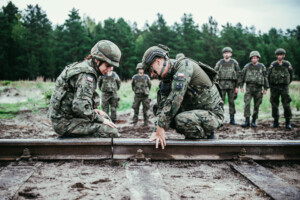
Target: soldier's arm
[(173, 102), (132, 83), (100, 82), (217, 68), (291, 72), (266, 82), (149, 82), (242, 76), (238, 73), (118, 80), (82, 105)]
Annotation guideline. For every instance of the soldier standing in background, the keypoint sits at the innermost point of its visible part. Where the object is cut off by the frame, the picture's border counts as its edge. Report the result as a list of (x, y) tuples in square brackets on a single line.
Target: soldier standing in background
[(141, 86), (109, 84), (188, 100), (74, 101), (228, 71), (280, 75), (254, 75)]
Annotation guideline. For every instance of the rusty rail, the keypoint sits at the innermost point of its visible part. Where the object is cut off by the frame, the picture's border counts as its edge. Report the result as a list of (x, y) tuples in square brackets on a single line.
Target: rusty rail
[(124, 148)]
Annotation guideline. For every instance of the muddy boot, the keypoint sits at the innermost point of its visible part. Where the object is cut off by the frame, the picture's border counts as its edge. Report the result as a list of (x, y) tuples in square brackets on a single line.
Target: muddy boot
[(288, 124), (275, 123), (232, 121), (246, 123), (253, 124), (212, 136)]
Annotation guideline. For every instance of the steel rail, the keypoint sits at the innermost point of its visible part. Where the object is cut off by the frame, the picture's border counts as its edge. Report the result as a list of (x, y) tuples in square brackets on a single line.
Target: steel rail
[(125, 148)]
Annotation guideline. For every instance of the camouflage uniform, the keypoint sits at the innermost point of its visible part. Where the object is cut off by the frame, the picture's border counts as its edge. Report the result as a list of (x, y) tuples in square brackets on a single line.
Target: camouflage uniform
[(141, 86), (109, 85), (74, 98), (187, 100), (280, 76), (228, 80), (255, 77)]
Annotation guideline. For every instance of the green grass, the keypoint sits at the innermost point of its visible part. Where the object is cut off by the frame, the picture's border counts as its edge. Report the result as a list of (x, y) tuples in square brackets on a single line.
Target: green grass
[(266, 105), (9, 110)]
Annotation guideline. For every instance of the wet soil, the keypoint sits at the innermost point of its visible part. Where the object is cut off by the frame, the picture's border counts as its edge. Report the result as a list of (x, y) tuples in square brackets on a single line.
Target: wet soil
[(37, 125), (182, 180)]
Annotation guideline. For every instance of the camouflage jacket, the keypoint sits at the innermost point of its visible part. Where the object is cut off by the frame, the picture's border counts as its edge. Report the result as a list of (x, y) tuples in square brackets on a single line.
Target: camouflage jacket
[(280, 74), (186, 87), (75, 93), (228, 73), (110, 83), (255, 75), (141, 84)]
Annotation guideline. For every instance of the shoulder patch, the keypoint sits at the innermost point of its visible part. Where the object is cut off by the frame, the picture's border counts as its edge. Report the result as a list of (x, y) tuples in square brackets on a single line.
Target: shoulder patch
[(90, 79), (180, 74)]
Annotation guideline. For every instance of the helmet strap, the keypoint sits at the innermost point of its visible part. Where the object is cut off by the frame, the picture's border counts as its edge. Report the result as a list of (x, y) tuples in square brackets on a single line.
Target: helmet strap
[(96, 66)]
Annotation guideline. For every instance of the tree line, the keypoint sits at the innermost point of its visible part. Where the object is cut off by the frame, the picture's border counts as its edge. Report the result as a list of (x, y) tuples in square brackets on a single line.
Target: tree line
[(31, 46)]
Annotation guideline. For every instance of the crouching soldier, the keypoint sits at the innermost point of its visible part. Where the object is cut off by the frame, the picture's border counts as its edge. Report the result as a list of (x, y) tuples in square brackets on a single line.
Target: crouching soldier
[(73, 105), (188, 99)]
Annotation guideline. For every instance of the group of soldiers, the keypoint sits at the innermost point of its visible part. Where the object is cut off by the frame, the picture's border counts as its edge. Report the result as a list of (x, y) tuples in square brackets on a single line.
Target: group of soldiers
[(257, 79), (190, 98)]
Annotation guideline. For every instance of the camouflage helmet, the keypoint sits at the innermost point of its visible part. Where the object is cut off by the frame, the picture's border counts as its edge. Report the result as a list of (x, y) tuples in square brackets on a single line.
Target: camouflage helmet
[(154, 52), (139, 66), (280, 51), (179, 55), (226, 49), (107, 51), (254, 53)]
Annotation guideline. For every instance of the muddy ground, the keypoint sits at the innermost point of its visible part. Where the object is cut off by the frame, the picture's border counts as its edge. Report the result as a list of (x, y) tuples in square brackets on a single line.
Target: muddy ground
[(181, 180), (29, 124)]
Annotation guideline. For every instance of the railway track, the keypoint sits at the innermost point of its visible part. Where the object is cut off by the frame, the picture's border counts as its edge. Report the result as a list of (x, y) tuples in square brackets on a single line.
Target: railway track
[(144, 176), (122, 148)]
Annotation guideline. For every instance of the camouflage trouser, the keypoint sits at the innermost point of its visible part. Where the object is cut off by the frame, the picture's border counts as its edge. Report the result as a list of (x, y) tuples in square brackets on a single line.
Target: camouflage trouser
[(78, 127), (276, 92), (231, 98), (197, 124), (255, 92), (110, 99), (138, 99)]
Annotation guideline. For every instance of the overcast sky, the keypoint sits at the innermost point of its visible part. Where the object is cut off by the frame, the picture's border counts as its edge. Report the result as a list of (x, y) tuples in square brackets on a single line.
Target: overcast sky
[(263, 14)]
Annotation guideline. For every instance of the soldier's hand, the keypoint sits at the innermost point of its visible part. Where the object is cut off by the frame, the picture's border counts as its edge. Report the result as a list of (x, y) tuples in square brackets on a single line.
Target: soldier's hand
[(236, 90), (265, 92), (159, 136), (242, 90), (100, 112), (109, 123)]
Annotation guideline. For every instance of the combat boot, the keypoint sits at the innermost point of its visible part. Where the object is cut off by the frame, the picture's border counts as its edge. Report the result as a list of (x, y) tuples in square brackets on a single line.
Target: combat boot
[(253, 124), (275, 123), (247, 122), (212, 136), (232, 121), (288, 124)]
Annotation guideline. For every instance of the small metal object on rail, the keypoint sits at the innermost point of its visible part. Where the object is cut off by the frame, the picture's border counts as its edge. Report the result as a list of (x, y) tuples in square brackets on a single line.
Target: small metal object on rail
[(125, 148)]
